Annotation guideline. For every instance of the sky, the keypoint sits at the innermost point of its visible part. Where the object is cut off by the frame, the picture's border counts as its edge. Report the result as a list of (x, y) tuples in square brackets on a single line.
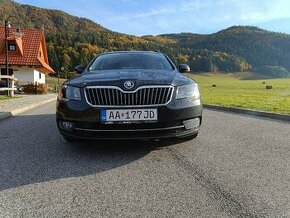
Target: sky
[(153, 17)]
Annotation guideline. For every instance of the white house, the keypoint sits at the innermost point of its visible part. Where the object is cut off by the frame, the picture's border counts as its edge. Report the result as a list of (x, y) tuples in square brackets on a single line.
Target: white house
[(27, 55)]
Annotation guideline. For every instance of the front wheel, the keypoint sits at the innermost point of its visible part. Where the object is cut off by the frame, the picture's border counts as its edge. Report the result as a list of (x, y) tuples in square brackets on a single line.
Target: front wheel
[(193, 136), (69, 139)]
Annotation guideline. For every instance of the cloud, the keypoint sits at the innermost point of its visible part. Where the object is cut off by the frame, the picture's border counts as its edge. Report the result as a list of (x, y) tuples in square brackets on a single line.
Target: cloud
[(194, 5), (257, 12), (142, 17), (155, 12)]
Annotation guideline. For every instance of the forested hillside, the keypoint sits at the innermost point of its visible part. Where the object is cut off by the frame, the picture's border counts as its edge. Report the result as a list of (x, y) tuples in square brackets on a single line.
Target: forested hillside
[(260, 48), (72, 40)]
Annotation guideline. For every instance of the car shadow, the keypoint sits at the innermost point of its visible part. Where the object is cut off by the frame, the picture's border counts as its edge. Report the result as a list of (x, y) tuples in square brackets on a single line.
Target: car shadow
[(33, 151)]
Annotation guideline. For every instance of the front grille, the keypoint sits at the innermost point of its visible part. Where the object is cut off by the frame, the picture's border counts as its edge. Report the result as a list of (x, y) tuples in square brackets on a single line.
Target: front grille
[(114, 96)]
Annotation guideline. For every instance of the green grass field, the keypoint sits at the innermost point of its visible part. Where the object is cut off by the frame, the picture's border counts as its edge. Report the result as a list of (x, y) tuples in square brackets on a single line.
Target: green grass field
[(249, 94), (52, 82), (4, 97)]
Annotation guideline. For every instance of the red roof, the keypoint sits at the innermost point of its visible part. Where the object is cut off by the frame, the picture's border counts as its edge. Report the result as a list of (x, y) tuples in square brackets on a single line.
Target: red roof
[(28, 47)]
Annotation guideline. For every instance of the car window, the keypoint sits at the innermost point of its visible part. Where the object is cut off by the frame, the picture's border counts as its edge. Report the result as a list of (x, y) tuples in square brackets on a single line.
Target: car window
[(131, 61)]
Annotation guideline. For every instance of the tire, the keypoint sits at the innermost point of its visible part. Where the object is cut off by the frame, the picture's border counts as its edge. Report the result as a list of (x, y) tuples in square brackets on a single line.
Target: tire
[(68, 139), (193, 136)]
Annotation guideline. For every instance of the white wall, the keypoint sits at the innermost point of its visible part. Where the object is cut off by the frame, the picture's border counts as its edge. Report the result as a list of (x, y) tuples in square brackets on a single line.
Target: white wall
[(36, 77), (28, 75), (24, 75)]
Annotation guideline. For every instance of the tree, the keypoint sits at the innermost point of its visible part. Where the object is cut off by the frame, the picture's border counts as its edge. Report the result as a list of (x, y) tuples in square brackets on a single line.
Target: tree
[(53, 59)]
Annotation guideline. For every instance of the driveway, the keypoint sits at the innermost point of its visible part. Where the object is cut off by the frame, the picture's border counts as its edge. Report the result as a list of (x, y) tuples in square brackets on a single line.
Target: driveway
[(239, 166)]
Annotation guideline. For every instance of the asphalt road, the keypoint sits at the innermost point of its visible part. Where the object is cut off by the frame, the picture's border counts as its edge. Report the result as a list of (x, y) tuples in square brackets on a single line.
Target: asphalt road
[(239, 166)]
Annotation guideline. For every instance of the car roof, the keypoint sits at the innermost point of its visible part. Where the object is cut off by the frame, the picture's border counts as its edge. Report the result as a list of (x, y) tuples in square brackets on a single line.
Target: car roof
[(132, 52)]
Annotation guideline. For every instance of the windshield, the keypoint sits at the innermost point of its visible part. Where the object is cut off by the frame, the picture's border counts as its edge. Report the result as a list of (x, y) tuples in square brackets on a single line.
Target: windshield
[(131, 61)]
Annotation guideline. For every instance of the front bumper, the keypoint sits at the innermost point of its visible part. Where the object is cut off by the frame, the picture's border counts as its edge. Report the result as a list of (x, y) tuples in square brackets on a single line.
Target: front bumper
[(178, 119), (130, 134)]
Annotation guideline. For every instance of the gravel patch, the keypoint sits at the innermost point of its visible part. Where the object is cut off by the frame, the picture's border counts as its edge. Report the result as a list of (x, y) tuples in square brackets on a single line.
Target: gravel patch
[(23, 101)]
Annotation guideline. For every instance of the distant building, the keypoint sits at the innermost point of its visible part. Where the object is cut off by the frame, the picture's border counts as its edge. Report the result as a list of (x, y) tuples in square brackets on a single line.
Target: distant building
[(27, 55)]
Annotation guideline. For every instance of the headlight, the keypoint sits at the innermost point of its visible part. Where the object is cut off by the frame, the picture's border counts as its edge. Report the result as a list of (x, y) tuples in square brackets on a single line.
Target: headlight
[(188, 91), (73, 93), (69, 93)]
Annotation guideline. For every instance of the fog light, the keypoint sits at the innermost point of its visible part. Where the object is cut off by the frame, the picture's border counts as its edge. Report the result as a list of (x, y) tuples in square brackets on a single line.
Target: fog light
[(66, 125), (192, 123)]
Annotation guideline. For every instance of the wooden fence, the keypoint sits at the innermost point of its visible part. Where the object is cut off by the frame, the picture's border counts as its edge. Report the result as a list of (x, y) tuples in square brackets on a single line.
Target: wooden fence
[(11, 87)]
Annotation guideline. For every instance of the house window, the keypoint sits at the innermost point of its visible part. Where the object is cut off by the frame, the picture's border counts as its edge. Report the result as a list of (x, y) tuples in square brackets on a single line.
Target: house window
[(39, 75), (3, 71), (39, 53), (11, 47)]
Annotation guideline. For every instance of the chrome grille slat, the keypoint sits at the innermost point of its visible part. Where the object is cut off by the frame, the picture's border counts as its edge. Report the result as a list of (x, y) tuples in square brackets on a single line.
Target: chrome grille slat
[(87, 94), (125, 95), (94, 97), (112, 96), (151, 98), (117, 97), (121, 98), (101, 94), (128, 99), (154, 99), (161, 94), (144, 97), (142, 91), (148, 97), (137, 98), (168, 95), (105, 97), (109, 96), (164, 96), (140, 97), (134, 98)]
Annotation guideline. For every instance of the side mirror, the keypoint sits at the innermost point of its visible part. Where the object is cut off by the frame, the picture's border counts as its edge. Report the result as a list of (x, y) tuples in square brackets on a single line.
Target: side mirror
[(79, 69), (183, 68)]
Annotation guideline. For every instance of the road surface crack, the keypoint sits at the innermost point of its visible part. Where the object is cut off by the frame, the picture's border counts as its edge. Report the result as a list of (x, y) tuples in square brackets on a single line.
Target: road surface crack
[(234, 206)]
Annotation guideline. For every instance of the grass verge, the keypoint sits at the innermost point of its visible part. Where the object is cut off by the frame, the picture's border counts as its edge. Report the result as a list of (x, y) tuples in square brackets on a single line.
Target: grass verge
[(52, 83), (5, 97), (248, 94)]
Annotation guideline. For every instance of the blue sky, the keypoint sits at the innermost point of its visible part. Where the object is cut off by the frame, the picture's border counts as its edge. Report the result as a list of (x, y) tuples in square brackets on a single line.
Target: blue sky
[(144, 17)]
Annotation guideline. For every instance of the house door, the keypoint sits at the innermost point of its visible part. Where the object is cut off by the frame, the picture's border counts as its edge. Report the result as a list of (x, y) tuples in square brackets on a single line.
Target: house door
[(10, 71), (3, 72)]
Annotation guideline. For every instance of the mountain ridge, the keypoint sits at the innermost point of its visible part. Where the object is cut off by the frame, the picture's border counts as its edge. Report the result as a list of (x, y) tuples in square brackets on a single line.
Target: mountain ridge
[(75, 40)]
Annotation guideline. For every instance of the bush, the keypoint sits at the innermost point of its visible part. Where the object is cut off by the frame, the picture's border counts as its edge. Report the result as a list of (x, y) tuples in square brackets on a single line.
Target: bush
[(273, 71), (32, 88)]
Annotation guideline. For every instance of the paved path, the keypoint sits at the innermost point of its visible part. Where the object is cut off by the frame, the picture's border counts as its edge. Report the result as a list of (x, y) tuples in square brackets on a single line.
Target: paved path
[(239, 166), (23, 101), (15, 106)]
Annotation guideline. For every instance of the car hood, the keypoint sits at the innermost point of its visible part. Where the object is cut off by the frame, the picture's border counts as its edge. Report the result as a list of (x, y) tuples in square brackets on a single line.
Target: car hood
[(138, 77)]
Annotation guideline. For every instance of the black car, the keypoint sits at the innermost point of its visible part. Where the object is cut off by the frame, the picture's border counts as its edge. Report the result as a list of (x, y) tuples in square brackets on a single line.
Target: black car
[(129, 95)]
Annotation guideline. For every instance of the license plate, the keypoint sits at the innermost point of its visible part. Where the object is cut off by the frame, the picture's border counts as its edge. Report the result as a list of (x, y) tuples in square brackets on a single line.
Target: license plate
[(129, 115)]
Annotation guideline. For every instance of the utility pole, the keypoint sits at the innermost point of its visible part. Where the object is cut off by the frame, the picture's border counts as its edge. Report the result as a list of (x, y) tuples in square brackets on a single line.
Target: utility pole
[(7, 25), (6, 52)]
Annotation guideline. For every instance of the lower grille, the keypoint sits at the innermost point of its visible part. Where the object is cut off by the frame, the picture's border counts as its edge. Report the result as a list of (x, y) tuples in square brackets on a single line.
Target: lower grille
[(114, 96)]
